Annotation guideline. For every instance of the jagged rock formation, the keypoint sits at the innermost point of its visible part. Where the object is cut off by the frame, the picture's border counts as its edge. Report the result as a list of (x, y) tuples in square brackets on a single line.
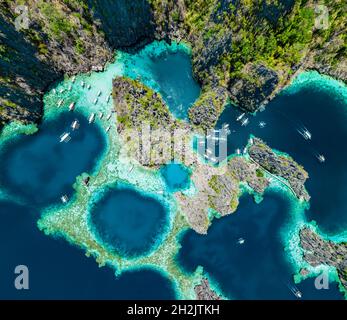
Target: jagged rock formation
[(281, 166), (204, 292), (243, 50), (164, 138), (319, 251), (126, 24), (254, 48)]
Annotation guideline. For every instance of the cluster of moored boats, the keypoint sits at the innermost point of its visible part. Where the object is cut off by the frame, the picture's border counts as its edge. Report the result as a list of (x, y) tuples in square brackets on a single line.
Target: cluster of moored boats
[(66, 136)]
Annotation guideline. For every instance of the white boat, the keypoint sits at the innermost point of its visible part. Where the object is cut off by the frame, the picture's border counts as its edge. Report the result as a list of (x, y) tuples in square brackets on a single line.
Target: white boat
[(240, 117), (208, 151), (54, 91), (245, 150), (73, 79), (108, 128), (99, 93), (101, 115), (72, 106), (95, 100), (91, 118), (245, 122), (60, 102), (64, 198), (65, 137), (321, 158), (109, 116), (238, 151), (82, 84), (70, 88), (108, 99), (305, 133), (89, 86), (262, 124), (241, 241), (225, 126), (295, 291), (61, 90), (75, 125)]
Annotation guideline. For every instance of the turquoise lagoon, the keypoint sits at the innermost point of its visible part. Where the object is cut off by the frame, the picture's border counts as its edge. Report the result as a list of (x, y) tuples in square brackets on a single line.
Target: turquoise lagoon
[(259, 269)]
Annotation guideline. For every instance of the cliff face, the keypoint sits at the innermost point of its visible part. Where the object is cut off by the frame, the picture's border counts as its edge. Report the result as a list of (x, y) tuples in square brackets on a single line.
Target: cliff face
[(254, 48), (63, 37), (126, 24), (243, 50)]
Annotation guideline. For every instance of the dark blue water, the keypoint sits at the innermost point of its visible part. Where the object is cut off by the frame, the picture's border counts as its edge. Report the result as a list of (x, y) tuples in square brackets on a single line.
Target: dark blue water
[(176, 176), (58, 270), (39, 169), (128, 221), (325, 117), (257, 269), (177, 86)]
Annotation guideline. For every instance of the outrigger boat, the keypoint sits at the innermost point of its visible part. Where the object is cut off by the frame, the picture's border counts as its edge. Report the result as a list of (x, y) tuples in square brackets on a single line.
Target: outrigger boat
[(239, 118), (241, 241), (75, 125), (64, 198), (320, 158), (65, 137), (91, 118), (245, 122), (262, 124), (295, 291), (305, 133)]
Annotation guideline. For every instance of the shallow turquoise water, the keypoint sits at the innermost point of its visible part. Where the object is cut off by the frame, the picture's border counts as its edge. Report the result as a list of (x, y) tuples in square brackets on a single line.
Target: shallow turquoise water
[(231, 265), (176, 176), (128, 221), (39, 169), (169, 74)]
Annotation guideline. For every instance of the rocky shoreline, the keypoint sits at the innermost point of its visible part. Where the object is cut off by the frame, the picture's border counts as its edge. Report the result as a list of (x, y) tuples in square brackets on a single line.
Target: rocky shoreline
[(73, 37), (164, 138), (318, 251)]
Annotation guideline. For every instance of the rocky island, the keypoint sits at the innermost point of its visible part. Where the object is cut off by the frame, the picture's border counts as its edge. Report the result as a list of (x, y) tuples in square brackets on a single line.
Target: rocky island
[(318, 251)]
